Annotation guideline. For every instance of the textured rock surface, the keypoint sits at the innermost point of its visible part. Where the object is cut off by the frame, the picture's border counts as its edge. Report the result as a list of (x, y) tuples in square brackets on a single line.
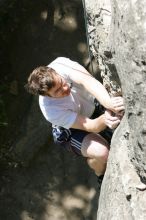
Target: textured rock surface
[(99, 21), (39, 181), (117, 32)]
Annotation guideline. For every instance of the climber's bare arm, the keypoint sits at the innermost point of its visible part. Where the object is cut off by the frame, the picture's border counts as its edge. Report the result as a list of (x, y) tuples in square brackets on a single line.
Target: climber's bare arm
[(97, 124), (92, 85)]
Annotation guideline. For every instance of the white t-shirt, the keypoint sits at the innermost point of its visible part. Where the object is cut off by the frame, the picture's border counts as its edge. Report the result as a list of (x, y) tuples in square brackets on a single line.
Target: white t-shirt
[(63, 111)]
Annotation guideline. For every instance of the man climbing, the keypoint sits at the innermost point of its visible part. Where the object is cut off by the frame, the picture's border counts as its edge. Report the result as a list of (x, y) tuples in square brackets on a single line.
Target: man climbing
[(67, 96)]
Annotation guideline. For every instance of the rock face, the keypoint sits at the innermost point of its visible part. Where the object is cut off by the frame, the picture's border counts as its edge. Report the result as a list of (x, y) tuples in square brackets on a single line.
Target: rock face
[(117, 31)]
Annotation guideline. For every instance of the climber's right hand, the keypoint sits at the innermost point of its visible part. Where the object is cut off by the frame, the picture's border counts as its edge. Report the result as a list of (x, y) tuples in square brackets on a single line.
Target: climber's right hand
[(110, 120), (118, 104)]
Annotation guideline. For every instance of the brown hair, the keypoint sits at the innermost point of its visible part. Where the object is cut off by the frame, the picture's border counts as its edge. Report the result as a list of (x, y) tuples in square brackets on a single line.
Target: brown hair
[(40, 80)]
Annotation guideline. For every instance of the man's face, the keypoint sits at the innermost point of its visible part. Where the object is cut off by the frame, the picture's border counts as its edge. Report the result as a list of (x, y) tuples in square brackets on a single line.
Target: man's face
[(61, 88)]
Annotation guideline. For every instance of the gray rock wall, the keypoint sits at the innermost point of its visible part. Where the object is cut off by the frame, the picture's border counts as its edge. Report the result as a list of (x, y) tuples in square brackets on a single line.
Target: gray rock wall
[(117, 31)]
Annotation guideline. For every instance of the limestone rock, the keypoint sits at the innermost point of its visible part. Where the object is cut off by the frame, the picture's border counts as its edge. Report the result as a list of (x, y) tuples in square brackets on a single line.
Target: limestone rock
[(98, 22), (117, 31)]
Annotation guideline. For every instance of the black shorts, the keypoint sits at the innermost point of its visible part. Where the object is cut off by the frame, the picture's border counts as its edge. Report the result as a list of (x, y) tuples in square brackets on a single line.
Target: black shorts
[(71, 139), (77, 137)]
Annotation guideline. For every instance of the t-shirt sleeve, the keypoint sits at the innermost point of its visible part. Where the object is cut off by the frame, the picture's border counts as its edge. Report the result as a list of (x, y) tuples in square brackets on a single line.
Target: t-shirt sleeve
[(59, 117)]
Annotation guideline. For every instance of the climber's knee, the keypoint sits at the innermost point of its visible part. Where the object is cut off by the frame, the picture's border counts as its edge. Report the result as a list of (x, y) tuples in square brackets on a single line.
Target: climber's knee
[(95, 146), (96, 149)]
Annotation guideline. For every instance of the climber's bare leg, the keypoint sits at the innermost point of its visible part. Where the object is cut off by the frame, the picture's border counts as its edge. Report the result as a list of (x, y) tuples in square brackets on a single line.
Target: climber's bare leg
[(96, 149)]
